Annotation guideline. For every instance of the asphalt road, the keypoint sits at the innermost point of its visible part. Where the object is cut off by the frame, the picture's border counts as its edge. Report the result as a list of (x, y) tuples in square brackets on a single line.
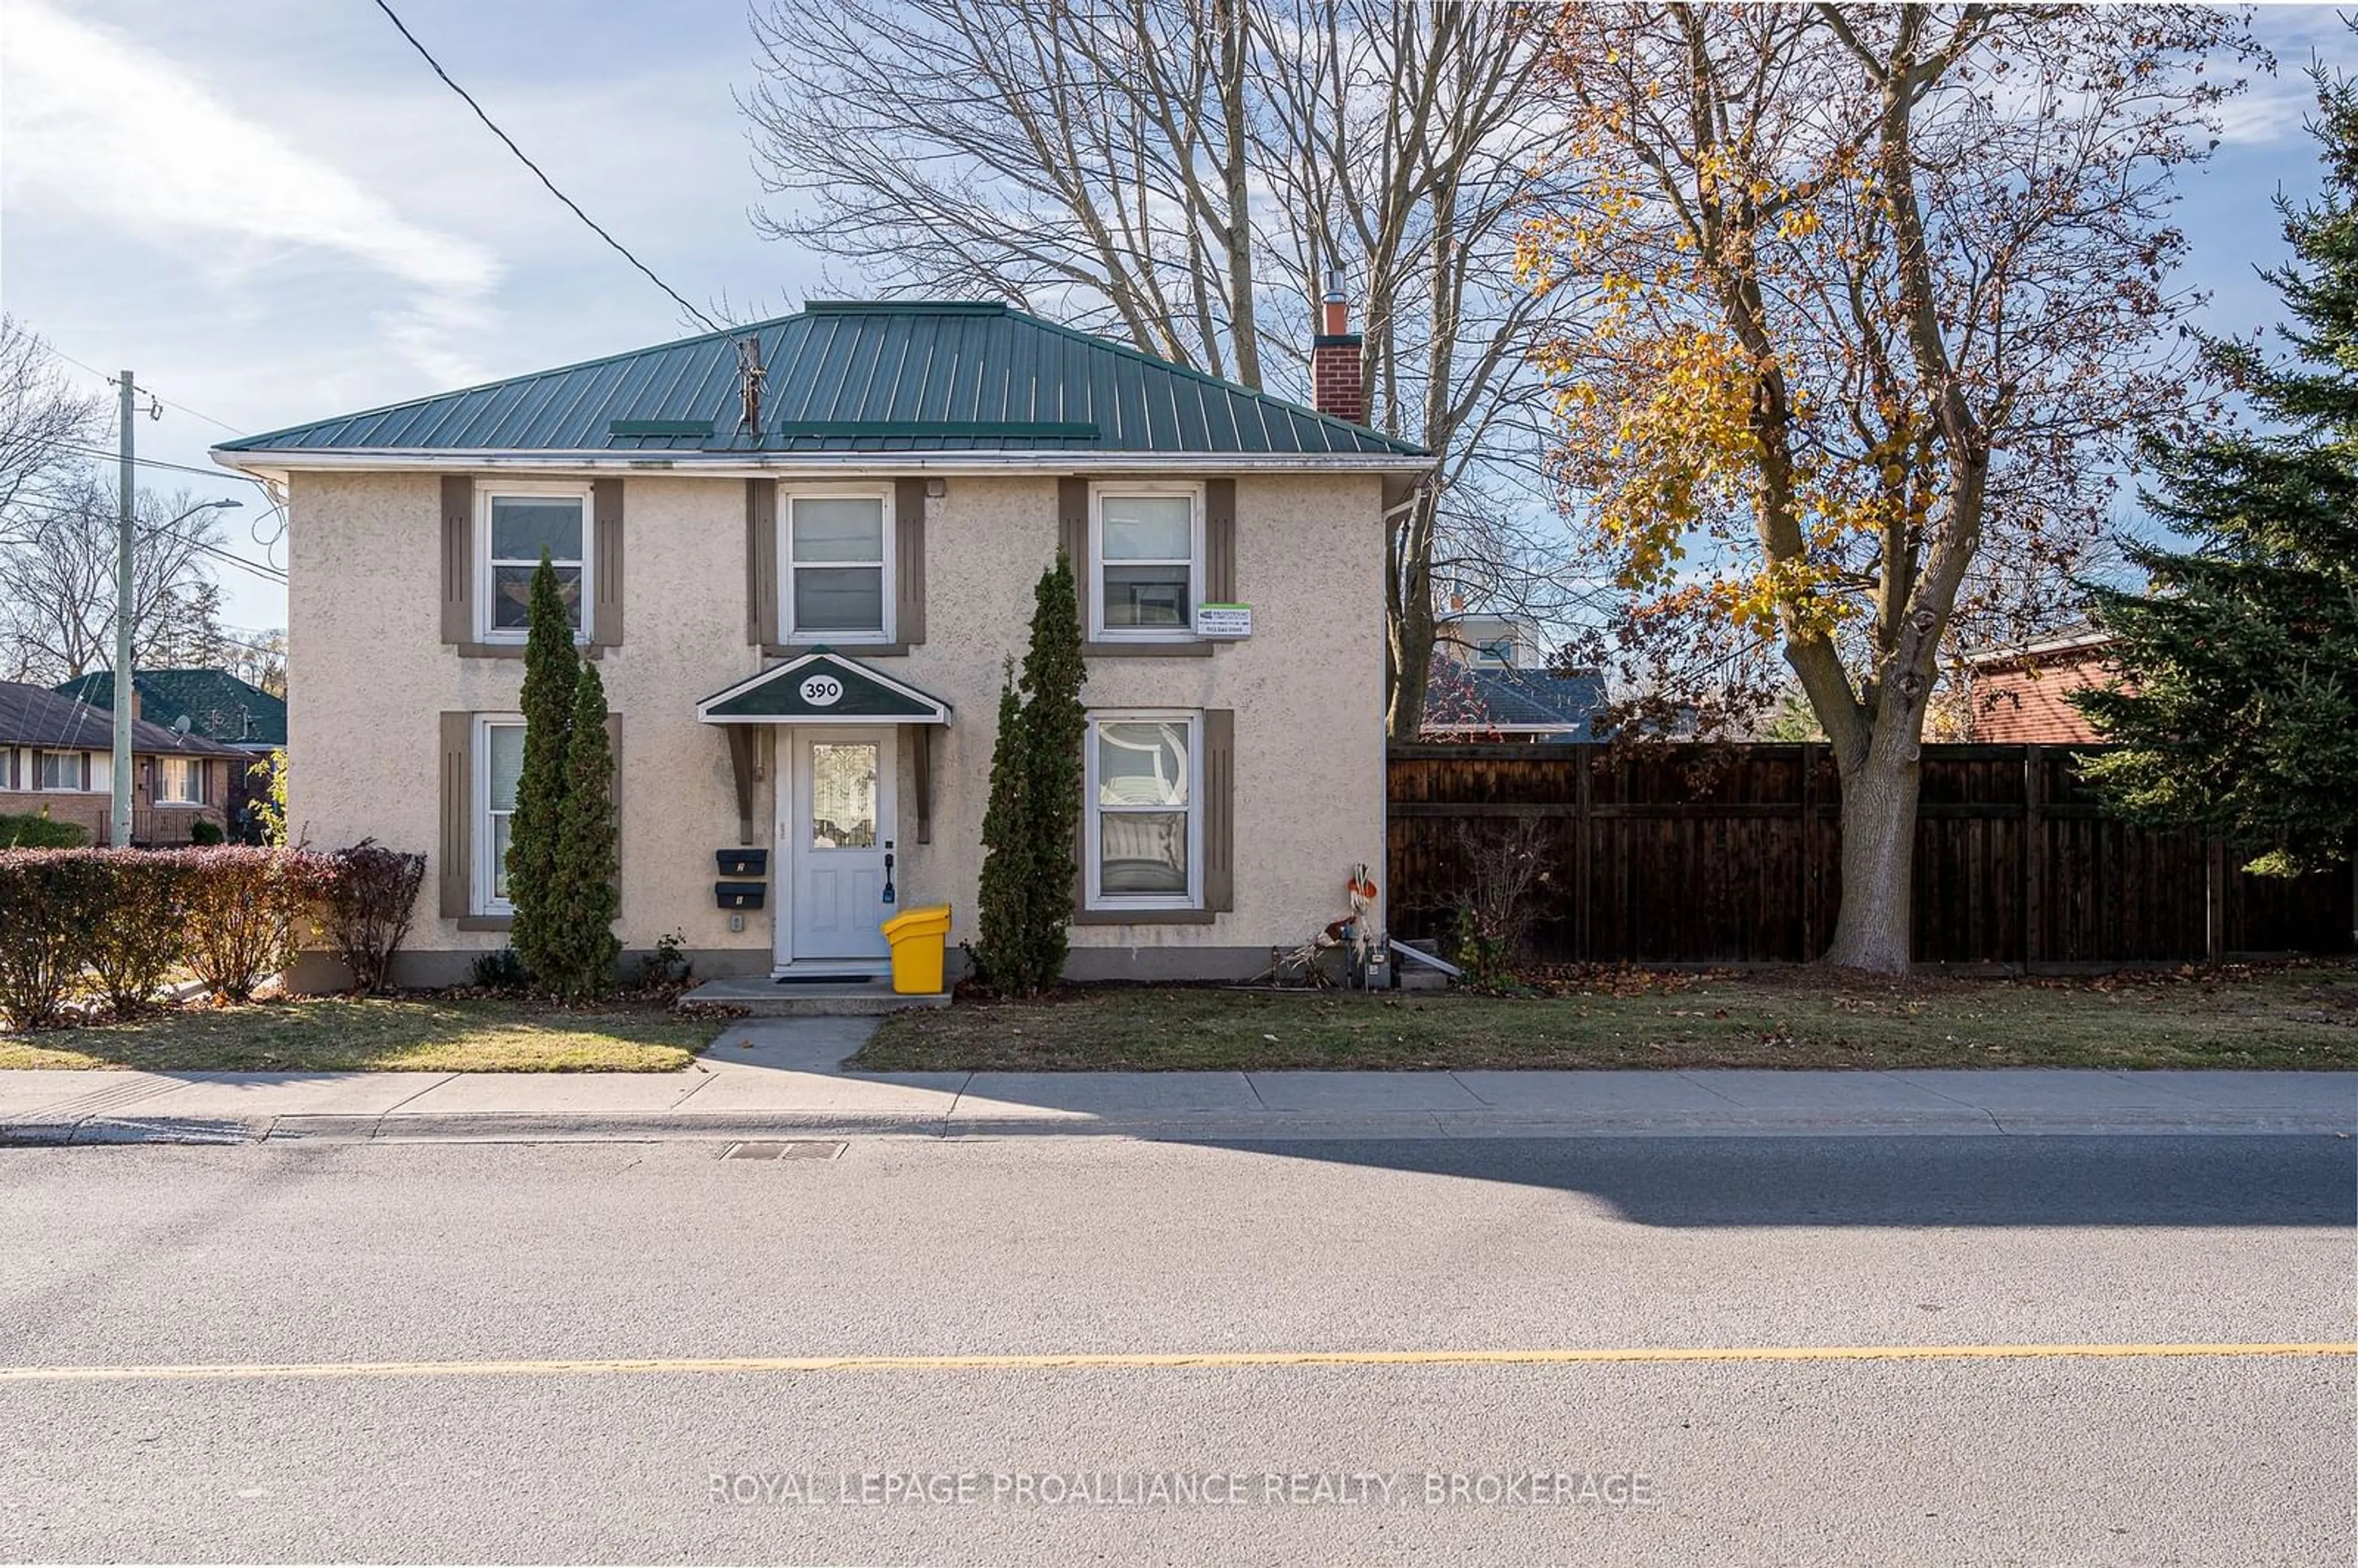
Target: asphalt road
[(313, 1256)]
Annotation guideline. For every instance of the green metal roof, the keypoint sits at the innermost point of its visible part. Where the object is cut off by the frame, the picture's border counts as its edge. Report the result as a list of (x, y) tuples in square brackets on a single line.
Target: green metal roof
[(217, 704), (854, 377)]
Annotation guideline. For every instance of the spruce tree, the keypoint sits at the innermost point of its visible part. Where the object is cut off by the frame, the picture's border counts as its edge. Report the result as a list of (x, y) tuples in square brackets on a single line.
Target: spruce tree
[(2238, 712), (551, 670), (583, 901)]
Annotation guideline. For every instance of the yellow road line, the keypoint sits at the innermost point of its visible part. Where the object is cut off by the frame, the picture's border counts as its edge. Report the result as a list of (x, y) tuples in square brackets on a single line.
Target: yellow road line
[(1155, 1361)]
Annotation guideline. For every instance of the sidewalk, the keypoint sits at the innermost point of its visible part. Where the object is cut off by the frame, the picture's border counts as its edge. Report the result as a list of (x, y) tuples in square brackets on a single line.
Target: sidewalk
[(774, 1078)]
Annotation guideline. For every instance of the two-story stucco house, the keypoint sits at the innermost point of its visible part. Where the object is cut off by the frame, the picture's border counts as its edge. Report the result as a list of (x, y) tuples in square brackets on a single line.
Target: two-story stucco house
[(803, 552)]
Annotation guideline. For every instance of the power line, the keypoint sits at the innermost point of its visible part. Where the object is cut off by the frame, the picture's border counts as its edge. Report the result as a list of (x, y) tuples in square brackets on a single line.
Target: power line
[(176, 467), (193, 413), (260, 569), (618, 248)]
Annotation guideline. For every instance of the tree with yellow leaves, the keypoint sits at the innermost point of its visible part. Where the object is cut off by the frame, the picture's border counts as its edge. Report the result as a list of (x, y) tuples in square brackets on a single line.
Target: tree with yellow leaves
[(1884, 302)]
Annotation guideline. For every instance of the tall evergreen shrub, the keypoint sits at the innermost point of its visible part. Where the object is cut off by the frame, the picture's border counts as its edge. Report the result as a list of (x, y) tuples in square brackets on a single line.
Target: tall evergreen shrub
[(552, 668), (1031, 824), (583, 900)]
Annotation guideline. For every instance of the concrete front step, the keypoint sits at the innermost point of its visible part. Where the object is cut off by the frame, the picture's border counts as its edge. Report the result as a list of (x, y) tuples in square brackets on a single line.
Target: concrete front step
[(761, 997)]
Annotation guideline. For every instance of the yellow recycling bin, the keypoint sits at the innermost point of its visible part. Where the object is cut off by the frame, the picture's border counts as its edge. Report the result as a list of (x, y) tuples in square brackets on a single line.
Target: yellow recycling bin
[(918, 939)]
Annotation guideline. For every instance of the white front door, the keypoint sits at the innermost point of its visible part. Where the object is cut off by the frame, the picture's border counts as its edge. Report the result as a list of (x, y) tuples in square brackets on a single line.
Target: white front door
[(835, 832)]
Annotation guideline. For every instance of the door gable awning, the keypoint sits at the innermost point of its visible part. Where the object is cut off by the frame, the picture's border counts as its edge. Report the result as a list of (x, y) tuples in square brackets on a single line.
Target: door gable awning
[(823, 686)]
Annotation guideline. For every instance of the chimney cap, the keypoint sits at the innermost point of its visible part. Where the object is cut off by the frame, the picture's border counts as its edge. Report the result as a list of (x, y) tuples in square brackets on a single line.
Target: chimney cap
[(1334, 283)]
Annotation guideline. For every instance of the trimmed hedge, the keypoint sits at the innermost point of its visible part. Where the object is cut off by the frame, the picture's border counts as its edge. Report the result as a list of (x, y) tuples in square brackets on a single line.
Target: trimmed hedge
[(115, 923)]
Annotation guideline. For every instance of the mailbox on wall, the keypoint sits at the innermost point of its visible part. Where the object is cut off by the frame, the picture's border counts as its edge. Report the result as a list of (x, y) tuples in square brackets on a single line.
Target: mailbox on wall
[(744, 862), (740, 895)]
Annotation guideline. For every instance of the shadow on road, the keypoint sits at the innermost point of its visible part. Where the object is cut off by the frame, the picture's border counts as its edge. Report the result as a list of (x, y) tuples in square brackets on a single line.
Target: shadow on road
[(1924, 1180)]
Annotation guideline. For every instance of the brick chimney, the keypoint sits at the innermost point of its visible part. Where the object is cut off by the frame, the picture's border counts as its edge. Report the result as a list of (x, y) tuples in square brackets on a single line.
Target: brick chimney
[(1335, 358)]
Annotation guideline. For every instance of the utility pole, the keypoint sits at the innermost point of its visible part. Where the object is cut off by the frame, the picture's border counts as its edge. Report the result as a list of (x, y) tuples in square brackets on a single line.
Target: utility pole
[(128, 500)]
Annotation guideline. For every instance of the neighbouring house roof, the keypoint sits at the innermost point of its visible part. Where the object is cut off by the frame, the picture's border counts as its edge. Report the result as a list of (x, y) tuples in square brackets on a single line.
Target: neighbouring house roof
[(1463, 699), (2059, 647), (217, 704), (848, 379), (35, 716)]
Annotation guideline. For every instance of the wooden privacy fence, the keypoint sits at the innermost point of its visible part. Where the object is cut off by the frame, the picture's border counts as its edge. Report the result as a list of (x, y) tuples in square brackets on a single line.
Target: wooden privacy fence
[(1732, 854)]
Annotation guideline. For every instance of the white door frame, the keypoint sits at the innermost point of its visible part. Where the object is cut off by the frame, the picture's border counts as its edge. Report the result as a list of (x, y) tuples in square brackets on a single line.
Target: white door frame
[(790, 807)]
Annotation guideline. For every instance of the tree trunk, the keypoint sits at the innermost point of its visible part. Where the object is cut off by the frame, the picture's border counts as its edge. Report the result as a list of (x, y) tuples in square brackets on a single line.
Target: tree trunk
[(1879, 858), (1407, 626)]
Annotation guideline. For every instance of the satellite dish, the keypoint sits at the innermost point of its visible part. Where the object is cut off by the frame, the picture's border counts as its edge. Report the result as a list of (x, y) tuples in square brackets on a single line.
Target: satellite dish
[(182, 725)]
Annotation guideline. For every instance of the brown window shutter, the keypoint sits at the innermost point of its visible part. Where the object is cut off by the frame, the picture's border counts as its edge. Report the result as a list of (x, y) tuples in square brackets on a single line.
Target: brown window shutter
[(761, 561), (606, 564), (1219, 809), (458, 558), (615, 788), (909, 561), (1220, 541), (1072, 537), (455, 864)]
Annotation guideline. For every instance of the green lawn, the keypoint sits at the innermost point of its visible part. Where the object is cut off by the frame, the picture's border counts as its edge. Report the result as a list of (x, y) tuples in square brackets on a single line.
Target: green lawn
[(422, 1034), (2291, 1017)]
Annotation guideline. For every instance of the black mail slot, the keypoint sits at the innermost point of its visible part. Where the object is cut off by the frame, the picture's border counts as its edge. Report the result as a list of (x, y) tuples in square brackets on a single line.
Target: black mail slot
[(740, 895), (744, 862)]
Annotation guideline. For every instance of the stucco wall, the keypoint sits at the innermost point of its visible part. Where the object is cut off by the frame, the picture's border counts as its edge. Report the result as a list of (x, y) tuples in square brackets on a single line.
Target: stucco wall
[(368, 677)]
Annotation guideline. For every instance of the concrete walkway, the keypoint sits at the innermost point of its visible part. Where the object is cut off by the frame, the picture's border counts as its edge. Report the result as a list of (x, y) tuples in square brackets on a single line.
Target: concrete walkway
[(783, 1077)]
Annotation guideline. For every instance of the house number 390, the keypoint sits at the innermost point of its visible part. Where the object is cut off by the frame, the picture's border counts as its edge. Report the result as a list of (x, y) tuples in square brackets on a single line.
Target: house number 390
[(822, 691)]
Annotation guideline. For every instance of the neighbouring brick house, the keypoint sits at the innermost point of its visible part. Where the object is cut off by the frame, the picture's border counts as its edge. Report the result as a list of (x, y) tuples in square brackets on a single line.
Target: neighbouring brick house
[(2020, 695), (57, 757), (217, 707)]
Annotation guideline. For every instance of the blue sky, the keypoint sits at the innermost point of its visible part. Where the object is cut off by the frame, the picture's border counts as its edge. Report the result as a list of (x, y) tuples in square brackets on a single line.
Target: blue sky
[(273, 212)]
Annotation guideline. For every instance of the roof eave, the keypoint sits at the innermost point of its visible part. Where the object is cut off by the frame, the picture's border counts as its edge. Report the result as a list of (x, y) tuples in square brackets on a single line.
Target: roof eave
[(277, 465)]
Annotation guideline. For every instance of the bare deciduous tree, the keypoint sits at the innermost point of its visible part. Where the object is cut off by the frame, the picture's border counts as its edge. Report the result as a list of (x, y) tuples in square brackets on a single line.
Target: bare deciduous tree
[(42, 418), (1889, 300), (1180, 173), (57, 586)]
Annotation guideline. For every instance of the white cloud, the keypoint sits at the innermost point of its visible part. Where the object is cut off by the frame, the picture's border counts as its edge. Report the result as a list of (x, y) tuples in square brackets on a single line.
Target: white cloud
[(2265, 111), (101, 127)]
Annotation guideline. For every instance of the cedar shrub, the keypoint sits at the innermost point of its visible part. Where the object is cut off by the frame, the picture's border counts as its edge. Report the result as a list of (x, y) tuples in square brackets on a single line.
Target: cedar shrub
[(582, 948), (1032, 822), (552, 668)]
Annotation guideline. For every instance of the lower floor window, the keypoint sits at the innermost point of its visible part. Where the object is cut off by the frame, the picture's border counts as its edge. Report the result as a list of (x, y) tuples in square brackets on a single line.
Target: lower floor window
[(180, 781), (1145, 811), (63, 770), (498, 763)]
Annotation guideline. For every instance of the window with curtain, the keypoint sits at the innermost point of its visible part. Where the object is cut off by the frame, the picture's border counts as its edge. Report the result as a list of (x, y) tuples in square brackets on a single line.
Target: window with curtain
[(1145, 828), (62, 770), (837, 561), (1149, 569), (518, 528), (180, 781), (498, 763)]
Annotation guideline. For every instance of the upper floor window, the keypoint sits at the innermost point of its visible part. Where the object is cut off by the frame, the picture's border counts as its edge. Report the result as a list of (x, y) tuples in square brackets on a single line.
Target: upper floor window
[(1146, 544), (61, 770), (836, 553), (518, 522), (180, 781)]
